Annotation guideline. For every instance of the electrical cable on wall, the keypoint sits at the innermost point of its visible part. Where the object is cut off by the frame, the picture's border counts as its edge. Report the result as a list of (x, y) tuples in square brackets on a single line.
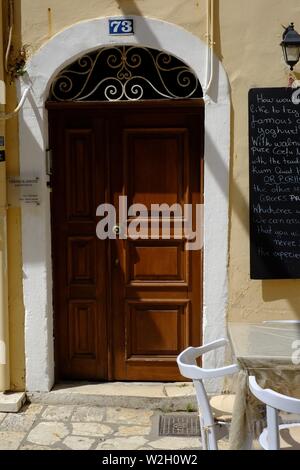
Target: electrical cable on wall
[(210, 49), (6, 116), (11, 27)]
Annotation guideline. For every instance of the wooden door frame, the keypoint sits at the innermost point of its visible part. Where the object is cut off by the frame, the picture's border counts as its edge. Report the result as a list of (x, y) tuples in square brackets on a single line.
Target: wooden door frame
[(106, 107)]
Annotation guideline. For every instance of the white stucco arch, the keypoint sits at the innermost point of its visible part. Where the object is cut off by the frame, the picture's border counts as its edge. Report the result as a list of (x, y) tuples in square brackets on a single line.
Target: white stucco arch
[(62, 49)]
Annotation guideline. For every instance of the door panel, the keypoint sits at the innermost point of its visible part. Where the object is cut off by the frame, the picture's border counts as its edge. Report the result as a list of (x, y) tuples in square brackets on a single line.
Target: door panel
[(82, 261), (82, 321), (79, 259), (124, 309), (154, 169), (157, 293), (79, 175), (156, 328), (141, 262)]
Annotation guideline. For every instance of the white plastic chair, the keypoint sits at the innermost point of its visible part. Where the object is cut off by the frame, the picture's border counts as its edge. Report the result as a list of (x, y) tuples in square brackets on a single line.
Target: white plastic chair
[(275, 436), (188, 368)]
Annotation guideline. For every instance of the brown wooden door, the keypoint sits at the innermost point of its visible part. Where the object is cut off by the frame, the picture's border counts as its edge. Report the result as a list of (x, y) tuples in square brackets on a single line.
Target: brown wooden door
[(124, 309)]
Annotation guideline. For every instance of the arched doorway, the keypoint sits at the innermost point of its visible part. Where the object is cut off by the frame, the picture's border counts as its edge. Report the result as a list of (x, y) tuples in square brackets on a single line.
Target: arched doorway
[(43, 67), (124, 121)]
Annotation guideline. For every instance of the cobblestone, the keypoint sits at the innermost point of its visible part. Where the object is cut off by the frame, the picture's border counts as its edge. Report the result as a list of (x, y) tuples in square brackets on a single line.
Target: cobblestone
[(128, 416), (42, 427), (17, 422), (57, 413), (84, 414), (48, 433)]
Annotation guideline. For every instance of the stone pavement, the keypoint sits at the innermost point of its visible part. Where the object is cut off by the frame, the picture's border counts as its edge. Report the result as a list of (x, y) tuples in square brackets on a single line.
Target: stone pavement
[(70, 427)]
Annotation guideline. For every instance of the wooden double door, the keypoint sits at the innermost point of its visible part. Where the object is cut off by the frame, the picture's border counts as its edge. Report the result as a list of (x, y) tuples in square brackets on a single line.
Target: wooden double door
[(124, 309)]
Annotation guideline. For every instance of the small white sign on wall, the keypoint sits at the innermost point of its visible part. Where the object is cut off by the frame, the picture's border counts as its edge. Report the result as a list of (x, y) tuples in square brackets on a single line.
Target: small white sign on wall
[(23, 191)]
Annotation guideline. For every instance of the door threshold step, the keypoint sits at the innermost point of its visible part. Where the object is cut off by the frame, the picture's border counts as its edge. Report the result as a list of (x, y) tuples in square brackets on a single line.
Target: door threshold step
[(155, 396)]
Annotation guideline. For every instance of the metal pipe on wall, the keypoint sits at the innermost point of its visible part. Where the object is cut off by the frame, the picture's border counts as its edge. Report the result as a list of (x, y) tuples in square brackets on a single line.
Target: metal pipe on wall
[(4, 320)]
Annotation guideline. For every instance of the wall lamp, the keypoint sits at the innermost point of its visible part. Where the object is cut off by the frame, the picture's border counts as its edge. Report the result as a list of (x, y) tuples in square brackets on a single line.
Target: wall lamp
[(291, 46)]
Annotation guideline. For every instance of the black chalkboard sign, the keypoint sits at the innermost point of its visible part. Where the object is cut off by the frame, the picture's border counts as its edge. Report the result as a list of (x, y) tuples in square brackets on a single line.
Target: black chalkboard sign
[(274, 144)]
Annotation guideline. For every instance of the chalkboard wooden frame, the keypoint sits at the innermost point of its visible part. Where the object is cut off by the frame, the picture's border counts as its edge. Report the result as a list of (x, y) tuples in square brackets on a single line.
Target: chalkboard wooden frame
[(274, 170)]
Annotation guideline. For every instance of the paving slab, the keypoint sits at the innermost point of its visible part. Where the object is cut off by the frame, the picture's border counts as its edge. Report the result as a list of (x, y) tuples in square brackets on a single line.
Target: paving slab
[(35, 447), (11, 440), (17, 422), (57, 413), (123, 443), (78, 443), (91, 429), (48, 433), (176, 443), (90, 414), (32, 409), (39, 427), (128, 416), (133, 431)]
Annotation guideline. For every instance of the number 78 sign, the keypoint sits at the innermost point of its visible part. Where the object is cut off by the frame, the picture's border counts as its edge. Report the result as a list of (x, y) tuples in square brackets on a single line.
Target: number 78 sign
[(121, 27)]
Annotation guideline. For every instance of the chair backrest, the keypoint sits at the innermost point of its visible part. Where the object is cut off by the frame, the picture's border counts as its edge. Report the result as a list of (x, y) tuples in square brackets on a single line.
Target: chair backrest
[(188, 368), (274, 402)]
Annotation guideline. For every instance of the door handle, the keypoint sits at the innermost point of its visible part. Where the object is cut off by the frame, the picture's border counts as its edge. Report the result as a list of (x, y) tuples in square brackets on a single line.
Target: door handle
[(117, 262)]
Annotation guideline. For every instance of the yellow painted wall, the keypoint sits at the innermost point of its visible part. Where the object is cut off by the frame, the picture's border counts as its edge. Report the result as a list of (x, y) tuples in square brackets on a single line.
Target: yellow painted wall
[(4, 328), (248, 34), (15, 273), (14, 261)]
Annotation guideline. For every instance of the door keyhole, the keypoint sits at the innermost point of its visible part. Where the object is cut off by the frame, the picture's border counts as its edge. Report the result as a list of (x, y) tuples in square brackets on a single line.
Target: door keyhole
[(117, 229)]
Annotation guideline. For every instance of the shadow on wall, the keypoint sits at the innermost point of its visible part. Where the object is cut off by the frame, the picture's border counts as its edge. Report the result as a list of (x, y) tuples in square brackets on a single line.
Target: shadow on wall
[(272, 290), (129, 7), (281, 289)]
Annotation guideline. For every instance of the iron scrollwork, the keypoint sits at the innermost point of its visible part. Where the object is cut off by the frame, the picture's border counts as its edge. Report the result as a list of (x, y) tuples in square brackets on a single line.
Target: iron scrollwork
[(125, 73)]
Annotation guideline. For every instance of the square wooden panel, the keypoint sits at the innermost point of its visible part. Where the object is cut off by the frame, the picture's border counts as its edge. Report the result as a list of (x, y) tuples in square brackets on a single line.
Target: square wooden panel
[(156, 329), (157, 262), (82, 260), (156, 166), (80, 171), (82, 329)]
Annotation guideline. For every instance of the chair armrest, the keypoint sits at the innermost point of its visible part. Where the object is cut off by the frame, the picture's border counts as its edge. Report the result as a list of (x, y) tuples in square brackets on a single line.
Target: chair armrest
[(197, 373), (193, 353), (220, 372)]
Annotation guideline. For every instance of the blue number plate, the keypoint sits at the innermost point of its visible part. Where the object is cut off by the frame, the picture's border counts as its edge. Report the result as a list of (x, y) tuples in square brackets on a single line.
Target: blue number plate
[(121, 27)]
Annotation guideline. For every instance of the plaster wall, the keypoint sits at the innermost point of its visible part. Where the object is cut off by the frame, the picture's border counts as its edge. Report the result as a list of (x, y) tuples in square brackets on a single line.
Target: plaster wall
[(247, 36)]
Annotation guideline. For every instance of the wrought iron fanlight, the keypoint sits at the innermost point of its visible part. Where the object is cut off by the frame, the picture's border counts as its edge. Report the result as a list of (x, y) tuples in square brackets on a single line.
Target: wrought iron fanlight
[(123, 73)]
